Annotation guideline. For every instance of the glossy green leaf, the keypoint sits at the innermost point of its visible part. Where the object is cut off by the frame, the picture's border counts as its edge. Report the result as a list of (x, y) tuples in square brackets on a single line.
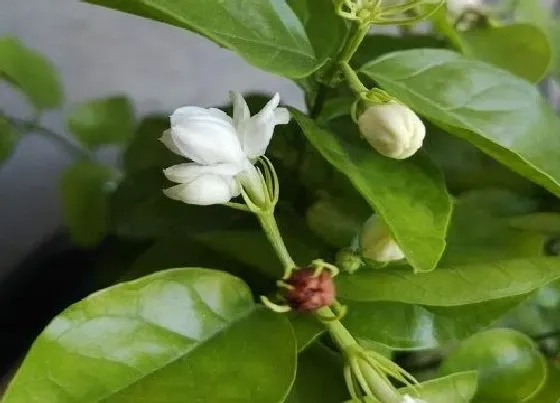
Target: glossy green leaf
[(315, 15), (102, 121), (450, 286), (502, 115), (411, 327), (521, 49), (176, 333), (550, 392), (266, 33), (306, 329), (85, 190), (8, 138), (31, 72), (402, 192), (509, 365), (466, 168), (377, 45), (145, 151), (459, 387), (319, 377), (480, 231)]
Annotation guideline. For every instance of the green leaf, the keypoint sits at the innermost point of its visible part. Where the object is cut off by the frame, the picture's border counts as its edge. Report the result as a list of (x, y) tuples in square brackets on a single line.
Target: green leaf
[(521, 49), (480, 231), (455, 388), (509, 365), (450, 286), (145, 151), (266, 33), (411, 327), (319, 377), (85, 201), (31, 72), (377, 45), (550, 392), (102, 121), (315, 15), (502, 115), (177, 333), (8, 138), (392, 188), (306, 329)]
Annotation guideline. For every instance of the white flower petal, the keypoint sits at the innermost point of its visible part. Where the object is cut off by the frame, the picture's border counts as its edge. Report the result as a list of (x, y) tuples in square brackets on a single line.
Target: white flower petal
[(207, 140), (186, 173), (167, 141), (241, 111), (186, 113), (255, 134), (204, 190)]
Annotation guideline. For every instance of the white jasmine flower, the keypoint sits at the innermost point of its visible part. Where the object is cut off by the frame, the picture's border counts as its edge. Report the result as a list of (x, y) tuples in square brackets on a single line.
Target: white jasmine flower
[(376, 242), (458, 7), (394, 130), (222, 150), (408, 399)]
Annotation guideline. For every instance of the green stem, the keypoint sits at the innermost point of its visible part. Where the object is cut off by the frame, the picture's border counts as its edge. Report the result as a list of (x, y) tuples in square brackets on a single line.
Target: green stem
[(354, 43), (352, 78), (340, 334), (268, 224), (382, 388)]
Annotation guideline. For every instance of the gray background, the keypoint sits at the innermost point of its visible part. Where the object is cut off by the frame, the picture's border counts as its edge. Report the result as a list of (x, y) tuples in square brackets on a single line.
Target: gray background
[(99, 52)]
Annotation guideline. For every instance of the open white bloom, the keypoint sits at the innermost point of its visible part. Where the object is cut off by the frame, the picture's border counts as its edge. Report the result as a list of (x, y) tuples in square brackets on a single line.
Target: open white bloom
[(222, 150), (376, 242), (458, 7), (408, 399), (394, 130)]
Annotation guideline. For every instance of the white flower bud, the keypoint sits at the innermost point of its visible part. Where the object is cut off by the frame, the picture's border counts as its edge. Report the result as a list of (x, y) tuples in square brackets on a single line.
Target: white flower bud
[(394, 130), (408, 399), (376, 242), (458, 7)]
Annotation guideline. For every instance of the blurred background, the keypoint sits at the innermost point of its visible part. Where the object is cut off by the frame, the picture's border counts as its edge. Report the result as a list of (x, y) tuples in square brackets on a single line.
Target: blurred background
[(99, 52)]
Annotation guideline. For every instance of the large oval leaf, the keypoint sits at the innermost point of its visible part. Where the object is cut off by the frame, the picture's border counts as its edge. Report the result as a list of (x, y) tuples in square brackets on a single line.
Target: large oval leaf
[(176, 333), (501, 114), (266, 33), (410, 195), (405, 326), (31, 72), (522, 49), (509, 364), (450, 286)]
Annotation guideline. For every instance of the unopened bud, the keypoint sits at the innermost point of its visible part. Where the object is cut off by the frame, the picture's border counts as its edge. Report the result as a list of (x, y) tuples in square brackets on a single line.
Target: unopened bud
[(376, 242), (310, 292), (348, 260), (393, 129)]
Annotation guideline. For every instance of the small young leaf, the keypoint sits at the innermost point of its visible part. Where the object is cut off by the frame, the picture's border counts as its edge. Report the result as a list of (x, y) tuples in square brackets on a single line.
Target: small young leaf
[(31, 72), (266, 33), (102, 121), (85, 201), (8, 139), (451, 286), (186, 334), (522, 49), (509, 365), (404, 326), (504, 116), (409, 194)]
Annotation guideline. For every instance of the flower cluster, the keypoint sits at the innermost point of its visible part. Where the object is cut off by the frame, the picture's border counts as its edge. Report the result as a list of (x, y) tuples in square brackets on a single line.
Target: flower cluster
[(222, 149)]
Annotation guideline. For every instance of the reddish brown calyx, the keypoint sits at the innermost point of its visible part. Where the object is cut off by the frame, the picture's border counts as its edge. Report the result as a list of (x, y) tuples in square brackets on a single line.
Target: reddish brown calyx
[(310, 290)]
